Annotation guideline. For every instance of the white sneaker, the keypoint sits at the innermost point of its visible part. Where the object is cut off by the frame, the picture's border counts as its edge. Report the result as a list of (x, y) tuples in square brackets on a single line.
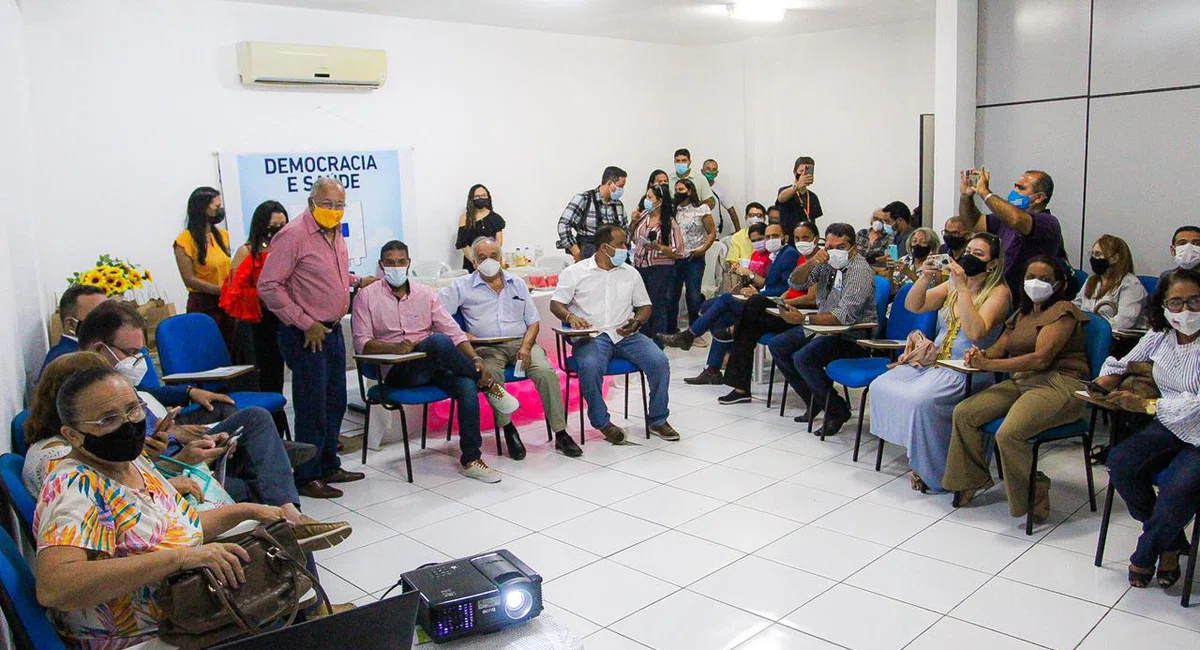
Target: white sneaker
[(479, 471), (501, 400)]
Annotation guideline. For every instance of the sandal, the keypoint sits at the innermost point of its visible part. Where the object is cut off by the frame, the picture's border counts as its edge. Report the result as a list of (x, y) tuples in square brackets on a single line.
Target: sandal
[(1139, 577), (917, 483), (963, 498), (1168, 577)]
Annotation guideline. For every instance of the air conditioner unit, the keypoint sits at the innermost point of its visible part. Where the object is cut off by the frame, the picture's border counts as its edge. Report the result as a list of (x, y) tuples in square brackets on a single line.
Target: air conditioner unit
[(286, 64)]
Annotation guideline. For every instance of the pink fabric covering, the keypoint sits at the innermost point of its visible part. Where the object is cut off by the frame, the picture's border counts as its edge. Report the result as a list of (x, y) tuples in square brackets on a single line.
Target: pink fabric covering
[(530, 411)]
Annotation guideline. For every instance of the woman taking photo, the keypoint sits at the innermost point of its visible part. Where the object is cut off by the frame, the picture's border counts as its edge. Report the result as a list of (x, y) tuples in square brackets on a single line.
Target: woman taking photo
[(1113, 291), (912, 404), (873, 242), (478, 221), (1169, 447), (1042, 348), (922, 243), (202, 255), (699, 233), (658, 242)]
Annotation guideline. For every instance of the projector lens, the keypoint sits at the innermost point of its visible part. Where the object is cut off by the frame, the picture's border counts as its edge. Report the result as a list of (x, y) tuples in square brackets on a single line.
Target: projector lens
[(517, 602)]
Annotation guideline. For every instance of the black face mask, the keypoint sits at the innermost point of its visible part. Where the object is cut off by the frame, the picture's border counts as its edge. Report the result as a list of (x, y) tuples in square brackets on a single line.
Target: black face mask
[(272, 231), (218, 217), (919, 252), (972, 265), (955, 242), (481, 203), (1099, 266), (680, 199), (120, 446)]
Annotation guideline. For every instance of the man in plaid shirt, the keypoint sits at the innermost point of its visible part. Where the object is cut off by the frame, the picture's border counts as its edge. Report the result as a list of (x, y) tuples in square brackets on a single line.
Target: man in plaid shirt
[(589, 210)]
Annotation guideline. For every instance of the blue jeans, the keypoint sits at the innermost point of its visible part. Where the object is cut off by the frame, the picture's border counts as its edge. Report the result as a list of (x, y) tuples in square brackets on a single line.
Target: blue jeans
[(1132, 467), (689, 274), (802, 359), (721, 312), (592, 357), (446, 367), (259, 471), (318, 397), (658, 279)]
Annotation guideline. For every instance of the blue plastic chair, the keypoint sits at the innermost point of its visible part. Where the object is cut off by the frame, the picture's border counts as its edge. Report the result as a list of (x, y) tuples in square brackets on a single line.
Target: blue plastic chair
[(859, 373), (1097, 337), (192, 343), (15, 493), (392, 398), (615, 367), (1081, 277), (28, 620), (18, 433), (1150, 282)]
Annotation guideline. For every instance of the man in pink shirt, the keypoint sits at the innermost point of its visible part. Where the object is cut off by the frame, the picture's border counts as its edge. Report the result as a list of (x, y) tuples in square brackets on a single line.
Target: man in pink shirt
[(306, 282), (398, 317)]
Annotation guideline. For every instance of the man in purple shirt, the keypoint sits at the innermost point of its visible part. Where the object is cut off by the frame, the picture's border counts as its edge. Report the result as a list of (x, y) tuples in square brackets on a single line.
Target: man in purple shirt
[(1021, 220), (306, 282), (398, 317)]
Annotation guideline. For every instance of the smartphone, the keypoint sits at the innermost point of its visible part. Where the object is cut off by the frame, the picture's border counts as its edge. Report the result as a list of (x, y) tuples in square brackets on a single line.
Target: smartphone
[(1096, 388), (780, 302), (942, 260), (233, 437)]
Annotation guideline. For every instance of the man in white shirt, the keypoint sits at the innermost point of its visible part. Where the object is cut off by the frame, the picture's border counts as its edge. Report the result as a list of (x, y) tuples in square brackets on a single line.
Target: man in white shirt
[(606, 295), (726, 204)]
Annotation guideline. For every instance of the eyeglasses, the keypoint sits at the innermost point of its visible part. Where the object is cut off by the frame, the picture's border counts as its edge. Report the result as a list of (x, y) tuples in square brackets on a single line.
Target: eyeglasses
[(1176, 304), (330, 205), (110, 423)]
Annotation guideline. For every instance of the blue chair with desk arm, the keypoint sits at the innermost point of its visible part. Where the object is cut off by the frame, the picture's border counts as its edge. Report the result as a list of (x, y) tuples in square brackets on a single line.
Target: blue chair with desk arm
[(16, 496), (616, 367), (28, 621)]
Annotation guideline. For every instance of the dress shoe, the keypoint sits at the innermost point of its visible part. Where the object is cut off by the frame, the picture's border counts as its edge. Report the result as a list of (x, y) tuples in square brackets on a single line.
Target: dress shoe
[(318, 489), (567, 445), (812, 413), (724, 335), (833, 423), (613, 434), (682, 340), (708, 376), (340, 475), (512, 440), (735, 397)]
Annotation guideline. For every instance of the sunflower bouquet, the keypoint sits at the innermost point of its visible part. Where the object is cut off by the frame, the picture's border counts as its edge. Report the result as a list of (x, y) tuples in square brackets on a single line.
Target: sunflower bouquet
[(115, 275)]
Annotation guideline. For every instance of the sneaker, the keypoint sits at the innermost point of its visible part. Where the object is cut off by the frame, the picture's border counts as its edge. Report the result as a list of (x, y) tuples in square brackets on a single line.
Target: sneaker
[(501, 399), (478, 470), (316, 535), (700, 342), (682, 340), (665, 431), (614, 434), (734, 397), (708, 376), (724, 335)]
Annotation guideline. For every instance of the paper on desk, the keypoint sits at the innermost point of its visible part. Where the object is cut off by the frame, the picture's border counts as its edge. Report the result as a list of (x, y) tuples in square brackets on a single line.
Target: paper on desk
[(958, 364), (215, 373), (390, 358)]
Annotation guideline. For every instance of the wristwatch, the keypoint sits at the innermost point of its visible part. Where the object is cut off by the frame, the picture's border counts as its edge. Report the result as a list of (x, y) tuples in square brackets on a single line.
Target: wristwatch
[(1152, 407), (989, 195)]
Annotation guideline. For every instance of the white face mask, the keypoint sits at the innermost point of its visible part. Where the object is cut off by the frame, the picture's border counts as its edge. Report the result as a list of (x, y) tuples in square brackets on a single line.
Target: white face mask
[(877, 226), (396, 276), (1038, 290), (773, 245), (754, 220), (132, 368), (839, 259), (488, 268), (1185, 322), (806, 248), (1187, 256)]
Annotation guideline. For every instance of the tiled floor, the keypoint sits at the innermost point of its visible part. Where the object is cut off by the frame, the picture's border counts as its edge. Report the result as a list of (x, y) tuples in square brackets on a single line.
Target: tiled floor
[(751, 533)]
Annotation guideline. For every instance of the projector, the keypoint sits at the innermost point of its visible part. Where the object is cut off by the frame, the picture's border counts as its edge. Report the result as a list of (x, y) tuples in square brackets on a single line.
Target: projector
[(474, 595)]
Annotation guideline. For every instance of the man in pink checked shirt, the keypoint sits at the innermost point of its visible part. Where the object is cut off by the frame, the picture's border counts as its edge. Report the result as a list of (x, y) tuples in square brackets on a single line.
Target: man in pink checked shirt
[(306, 281), (398, 317)]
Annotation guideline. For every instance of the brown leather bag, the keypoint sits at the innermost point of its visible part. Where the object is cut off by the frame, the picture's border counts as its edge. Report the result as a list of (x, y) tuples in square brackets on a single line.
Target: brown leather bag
[(1139, 380), (199, 610)]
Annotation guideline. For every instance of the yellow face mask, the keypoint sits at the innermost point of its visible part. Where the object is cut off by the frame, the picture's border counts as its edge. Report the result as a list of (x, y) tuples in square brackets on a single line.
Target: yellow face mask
[(327, 218)]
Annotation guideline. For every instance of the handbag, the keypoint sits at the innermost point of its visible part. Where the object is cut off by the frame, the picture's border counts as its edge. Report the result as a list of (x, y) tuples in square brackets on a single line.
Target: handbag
[(1139, 380), (199, 610), (919, 351)]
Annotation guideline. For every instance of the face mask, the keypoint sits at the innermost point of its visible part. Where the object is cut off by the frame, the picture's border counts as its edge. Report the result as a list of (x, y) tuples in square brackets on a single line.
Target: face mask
[(1187, 256), (617, 193), (681, 169), (132, 368), (806, 248), (480, 203), (272, 231), (919, 252), (396, 276), (760, 245), (839, 259), (218, 217), (619, 256), (1185, 322), (327, 218), (488, 268), (1038, 290), (681, 198), (773, 245), (120, 446), (647, 205), (971, 265), (889, 229), (1018, 200), (711, 176), (877, 226), (955, 242), (1099, 266), (70, 325), (754, 220)]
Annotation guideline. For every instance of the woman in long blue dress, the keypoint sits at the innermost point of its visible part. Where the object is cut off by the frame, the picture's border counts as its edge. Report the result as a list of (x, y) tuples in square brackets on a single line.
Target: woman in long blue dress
[(913, 406)]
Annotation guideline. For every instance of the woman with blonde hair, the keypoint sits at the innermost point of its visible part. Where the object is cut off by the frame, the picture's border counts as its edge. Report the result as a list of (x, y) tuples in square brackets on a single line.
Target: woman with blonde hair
[(1113, 291), (44, 444), (912, 405)]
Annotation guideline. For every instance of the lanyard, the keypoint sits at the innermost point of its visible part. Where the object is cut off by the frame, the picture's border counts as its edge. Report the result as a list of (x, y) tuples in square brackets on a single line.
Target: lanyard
[(807, 203)]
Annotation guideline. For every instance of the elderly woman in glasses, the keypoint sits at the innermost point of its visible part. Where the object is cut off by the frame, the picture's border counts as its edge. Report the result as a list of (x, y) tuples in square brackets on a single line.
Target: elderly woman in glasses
[(110, 529)]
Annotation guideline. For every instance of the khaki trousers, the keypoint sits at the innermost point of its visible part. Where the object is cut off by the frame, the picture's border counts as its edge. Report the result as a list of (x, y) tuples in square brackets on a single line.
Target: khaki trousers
[(497, 357), (1029, 405)]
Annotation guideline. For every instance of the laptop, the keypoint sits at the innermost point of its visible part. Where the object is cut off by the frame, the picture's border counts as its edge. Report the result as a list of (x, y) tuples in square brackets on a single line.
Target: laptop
[(386, 624)]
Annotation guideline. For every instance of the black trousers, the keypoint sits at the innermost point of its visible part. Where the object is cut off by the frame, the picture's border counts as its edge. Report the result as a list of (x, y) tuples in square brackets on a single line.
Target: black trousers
[(754, 323)]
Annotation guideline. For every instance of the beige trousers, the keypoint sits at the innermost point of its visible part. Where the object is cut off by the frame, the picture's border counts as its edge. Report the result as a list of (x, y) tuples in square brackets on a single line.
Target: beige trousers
[(545, 379)]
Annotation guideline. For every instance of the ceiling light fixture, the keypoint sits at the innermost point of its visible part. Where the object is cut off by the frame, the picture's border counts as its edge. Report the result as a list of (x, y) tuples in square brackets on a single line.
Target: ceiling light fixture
[(757, 10)]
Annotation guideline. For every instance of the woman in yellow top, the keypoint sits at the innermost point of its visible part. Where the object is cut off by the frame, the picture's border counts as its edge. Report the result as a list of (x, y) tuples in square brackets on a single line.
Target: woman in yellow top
[(202, 254)]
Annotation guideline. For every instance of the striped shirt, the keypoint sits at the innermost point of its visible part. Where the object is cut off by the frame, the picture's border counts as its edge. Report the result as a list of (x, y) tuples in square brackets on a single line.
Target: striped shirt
[(852, 301), (1177, 375), (584, 215)]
